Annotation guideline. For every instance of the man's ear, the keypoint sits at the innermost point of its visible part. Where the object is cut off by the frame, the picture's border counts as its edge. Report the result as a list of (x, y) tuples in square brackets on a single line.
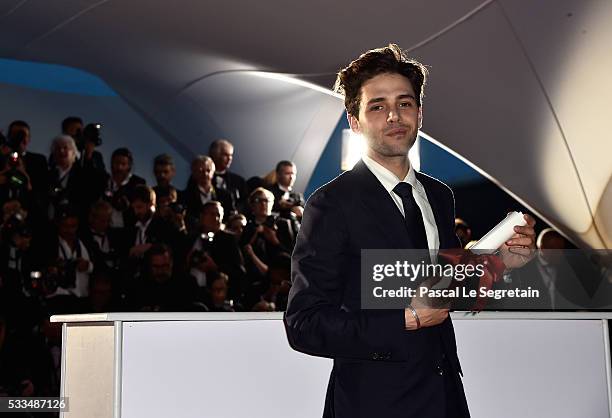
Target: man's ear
[(353, 123), (420, 117)]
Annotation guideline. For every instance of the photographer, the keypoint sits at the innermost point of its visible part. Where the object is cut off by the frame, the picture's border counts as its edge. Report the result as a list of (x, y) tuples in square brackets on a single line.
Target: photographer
[(271, 293), (264, 236), (17, 258), (200, 190), (69, 183), (169, 209), (288, 202), (145, 228), (164, 171), (160, 288), (120, 185), (214, 250), (33, 164), (14, 180), (222, 153), (86, 139), (72, 260), (102, 241)]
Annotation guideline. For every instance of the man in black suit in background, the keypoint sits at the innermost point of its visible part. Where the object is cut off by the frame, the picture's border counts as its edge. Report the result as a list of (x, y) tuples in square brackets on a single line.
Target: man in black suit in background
[(387, 363), (35, 165), (88, 156), (286, 200), (222, 153)]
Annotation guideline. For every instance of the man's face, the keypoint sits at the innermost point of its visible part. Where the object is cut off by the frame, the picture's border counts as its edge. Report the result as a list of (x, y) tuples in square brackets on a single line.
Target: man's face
[(22, 242), (142, 210), (261, 206), (210, 219), (165, 201), (237, 226), (120, 166), (286, 176), (389, 118), (64, 155), (164, 174), (203, 172), (73, 128), (26, 134), (161, 267), (223, 157), (68, 227), (100, 221), (218, 292)]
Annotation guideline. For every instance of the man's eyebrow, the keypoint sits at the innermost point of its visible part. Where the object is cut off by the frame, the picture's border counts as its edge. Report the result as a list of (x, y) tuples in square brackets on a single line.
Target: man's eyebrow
[(376, 100), (406, 96), (382, 99)]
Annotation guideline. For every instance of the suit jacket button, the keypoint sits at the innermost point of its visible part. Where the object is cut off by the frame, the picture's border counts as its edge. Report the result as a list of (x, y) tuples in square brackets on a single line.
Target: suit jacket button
[(440, 370)]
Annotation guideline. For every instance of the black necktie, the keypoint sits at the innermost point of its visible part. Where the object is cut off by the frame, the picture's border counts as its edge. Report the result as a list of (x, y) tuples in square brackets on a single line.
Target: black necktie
[(412, 215)]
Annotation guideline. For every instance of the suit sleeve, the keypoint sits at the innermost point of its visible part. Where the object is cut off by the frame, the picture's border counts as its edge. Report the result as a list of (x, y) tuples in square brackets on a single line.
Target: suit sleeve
[(315, 320)]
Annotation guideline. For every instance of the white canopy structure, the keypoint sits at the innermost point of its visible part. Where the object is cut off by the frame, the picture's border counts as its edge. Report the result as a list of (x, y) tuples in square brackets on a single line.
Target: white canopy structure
[(518, 89)]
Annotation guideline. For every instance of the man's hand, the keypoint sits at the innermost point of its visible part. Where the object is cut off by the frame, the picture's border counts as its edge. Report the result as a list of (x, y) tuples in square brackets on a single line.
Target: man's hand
[(82, 265), (208, 264), (139, 250), (428, 317), (270, 235), (298, 210), (520, 248), (285, 204)]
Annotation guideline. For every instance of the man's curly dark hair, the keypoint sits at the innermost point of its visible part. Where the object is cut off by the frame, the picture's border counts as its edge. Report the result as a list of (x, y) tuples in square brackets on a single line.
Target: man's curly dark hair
[(389, 59)]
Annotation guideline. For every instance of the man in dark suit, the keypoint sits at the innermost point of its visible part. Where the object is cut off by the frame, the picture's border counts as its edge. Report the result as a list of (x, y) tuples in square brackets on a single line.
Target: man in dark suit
[(201, 189), (87, 139), (222, 153), (69, 183), (35, 165), (387, 363), (120, 184), (288, 202)]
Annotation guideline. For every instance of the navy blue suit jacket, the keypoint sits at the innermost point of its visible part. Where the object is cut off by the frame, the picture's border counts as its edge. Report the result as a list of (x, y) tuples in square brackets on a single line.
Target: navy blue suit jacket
[(380, 369)]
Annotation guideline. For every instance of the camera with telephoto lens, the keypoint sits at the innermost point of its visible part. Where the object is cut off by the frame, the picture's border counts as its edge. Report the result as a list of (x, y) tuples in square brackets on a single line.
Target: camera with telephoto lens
[(199, 256), (15, 225), (16, 181), (91, 133), (270, 221), (16, 140), (67, 270), (62, 273), (177, 207), (43, 284), (118, 200)]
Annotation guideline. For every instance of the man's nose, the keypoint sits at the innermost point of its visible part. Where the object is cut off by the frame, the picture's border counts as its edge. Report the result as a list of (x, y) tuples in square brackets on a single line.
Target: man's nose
[(393, 116)]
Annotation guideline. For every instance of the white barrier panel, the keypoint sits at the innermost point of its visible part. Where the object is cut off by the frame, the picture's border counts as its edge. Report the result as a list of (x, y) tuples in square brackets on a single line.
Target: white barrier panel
[(218, 369), (534, 368), (233, 365)]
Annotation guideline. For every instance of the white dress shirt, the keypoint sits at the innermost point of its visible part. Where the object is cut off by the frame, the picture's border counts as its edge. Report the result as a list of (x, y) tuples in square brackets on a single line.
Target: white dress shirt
[(141, 231), (390, 180), (81, 288), (117, 216)]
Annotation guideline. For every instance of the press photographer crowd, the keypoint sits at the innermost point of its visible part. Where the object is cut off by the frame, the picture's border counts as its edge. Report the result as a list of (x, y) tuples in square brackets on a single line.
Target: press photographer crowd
[(77, 237)]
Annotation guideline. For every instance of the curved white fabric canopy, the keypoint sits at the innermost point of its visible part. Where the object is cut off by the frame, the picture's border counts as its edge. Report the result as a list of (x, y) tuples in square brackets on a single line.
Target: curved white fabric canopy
[(519, 89)]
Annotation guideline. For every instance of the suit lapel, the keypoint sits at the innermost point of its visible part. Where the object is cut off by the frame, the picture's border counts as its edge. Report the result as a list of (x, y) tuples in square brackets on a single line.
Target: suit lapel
[(381, 207), (446, 241)]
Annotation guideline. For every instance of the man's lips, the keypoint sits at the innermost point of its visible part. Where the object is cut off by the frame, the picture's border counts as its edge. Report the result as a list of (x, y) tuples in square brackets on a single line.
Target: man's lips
[(397, 131)]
